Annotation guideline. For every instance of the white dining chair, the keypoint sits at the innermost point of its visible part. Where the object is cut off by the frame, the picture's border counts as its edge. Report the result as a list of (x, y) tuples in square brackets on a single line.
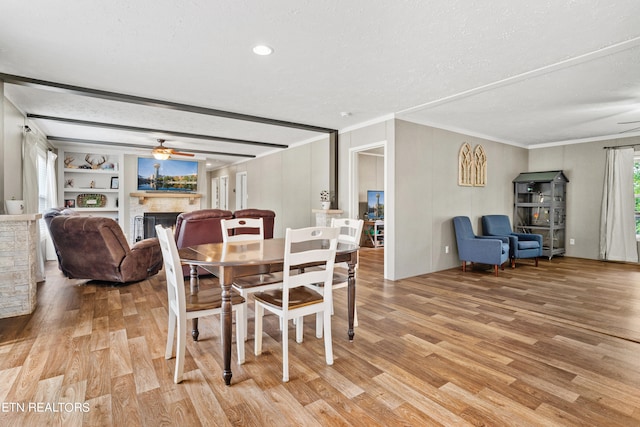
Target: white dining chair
[(294, 300), (237, 230), (350, 233), (183, 307)]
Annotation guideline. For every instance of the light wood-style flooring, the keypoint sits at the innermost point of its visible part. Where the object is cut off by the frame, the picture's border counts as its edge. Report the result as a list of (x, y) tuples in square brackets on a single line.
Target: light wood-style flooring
[(553, 345)]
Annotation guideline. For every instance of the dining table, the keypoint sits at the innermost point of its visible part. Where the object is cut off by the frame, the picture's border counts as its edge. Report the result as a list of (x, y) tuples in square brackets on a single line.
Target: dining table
[(232, 260)]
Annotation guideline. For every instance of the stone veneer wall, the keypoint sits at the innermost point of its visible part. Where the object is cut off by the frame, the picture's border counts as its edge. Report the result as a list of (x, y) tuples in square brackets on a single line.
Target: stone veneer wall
[(18, 286), (159, 204)]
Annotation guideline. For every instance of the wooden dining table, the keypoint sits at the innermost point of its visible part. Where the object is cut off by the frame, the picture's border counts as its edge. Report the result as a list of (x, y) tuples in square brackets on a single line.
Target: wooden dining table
[(231, 260)]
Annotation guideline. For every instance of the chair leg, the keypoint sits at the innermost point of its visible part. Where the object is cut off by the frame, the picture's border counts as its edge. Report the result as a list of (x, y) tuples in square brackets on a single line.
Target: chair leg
[(245, 295), (257, 338), (536, 261), (328, 345), (241, 312), (513, 263), (180, 350), (355, 316), (299, 330), (495, 269), (171, 329), (285, 352), (319, 321), (464, 266)]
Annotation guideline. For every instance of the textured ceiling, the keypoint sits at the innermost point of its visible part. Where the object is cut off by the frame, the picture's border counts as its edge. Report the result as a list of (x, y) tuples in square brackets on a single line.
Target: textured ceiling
[(520, 72)]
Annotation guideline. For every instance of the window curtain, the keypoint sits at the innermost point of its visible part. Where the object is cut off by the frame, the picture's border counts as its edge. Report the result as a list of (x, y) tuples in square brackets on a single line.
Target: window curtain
[(617, 222), (52, 200), (30, 190)]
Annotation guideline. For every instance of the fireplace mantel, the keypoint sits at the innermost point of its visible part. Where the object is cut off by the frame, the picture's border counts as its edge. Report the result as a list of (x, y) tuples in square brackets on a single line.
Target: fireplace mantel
[(141, 195)]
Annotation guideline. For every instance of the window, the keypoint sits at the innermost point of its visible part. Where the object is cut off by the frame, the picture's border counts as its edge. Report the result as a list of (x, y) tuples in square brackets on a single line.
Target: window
[(636, 191)]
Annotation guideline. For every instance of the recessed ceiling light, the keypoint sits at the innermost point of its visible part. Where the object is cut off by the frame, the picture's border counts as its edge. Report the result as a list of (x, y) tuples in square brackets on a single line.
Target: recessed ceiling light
[(345, 114), (262, 49)]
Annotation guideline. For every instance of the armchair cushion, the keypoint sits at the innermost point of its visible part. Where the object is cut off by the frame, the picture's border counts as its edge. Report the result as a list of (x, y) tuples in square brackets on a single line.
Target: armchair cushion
[(522, 245), (528, 244), (96, 248)]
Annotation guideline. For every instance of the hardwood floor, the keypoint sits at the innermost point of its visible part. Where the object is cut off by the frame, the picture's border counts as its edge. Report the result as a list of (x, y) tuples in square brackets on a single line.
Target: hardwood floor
[(554, 345)]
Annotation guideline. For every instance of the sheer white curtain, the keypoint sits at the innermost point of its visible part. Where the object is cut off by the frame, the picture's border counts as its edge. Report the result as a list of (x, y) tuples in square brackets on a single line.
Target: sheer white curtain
[(52, 187), (617, 222), (31, 190), (51, 200)]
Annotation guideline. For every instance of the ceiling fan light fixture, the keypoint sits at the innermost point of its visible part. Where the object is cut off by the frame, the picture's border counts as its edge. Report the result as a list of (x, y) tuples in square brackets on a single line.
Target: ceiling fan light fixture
[(161, 156), (262, 50)]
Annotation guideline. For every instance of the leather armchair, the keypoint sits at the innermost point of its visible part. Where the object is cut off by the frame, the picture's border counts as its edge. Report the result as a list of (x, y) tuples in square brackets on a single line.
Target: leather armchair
[(521, 245), (197, 228), (48, 216), (485, 250), (268, 219), (96, 248)]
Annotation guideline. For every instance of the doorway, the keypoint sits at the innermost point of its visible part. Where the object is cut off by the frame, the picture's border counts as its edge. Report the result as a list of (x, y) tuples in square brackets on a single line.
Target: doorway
[(241, 190), (215, 193), (224, 192), (368, 168)]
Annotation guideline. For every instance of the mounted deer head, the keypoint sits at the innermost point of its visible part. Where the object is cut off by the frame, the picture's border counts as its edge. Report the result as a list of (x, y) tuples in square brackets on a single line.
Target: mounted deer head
[(95, 163)]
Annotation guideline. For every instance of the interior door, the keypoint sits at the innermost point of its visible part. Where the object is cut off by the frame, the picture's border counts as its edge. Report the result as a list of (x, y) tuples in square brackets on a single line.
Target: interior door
[(224, 192), (241, 190), (215, 193)]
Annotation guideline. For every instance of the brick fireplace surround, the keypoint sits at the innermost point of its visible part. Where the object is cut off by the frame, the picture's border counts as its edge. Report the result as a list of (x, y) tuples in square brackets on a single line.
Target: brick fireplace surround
[(141, 203)]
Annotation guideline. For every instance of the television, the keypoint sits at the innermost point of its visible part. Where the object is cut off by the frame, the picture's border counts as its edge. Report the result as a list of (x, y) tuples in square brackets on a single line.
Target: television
[(167, 175), (375, 204)]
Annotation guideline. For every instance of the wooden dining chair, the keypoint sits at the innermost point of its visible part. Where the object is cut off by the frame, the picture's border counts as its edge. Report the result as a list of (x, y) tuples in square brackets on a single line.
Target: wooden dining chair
[(294, 300), (350, 233), (183, 307), (241, 230)]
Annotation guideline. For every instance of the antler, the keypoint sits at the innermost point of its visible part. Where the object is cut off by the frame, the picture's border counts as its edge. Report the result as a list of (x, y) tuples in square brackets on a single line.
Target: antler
[(95, 164), (67, 161)]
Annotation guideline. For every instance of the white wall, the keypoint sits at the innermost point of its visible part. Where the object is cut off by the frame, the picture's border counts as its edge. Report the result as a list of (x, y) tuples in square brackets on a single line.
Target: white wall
[(583, 164), (11, 145), (287, 182), (428, 195), (370, 174)]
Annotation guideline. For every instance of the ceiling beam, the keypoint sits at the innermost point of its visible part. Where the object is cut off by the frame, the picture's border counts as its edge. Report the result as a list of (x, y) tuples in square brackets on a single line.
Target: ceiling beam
[(150, 102), (146, 147), (146, 130)]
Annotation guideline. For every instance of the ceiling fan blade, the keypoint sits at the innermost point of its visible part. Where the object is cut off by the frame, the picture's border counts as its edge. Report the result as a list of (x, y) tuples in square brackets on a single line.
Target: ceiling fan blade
[(628, 123), (179, 153), (161, 149)]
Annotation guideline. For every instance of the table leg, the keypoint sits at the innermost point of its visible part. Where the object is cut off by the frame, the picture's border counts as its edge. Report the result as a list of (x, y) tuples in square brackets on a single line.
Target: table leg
[(193, 284), (226, 279), (351, 296)]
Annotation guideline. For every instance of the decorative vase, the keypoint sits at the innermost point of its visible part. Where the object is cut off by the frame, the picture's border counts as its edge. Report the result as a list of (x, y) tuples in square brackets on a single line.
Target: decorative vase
[(14, 207), (325, 205)]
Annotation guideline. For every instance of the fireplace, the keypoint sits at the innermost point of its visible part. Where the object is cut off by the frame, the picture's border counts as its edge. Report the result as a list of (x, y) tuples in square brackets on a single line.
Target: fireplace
[(145, 225), (142, 203)]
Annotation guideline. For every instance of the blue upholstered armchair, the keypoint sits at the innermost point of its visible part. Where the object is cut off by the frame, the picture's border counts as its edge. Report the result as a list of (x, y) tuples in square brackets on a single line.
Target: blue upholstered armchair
[(522, 245), (471, 248)]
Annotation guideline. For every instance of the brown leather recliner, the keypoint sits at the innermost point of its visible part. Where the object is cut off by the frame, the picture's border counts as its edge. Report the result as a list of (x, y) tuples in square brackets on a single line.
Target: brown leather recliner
[(199, 227), (48, 216), (268, 219), (96, 248)]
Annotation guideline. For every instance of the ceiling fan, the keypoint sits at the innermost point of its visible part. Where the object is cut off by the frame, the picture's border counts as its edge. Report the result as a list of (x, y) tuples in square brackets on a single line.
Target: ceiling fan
[(163, 153)]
